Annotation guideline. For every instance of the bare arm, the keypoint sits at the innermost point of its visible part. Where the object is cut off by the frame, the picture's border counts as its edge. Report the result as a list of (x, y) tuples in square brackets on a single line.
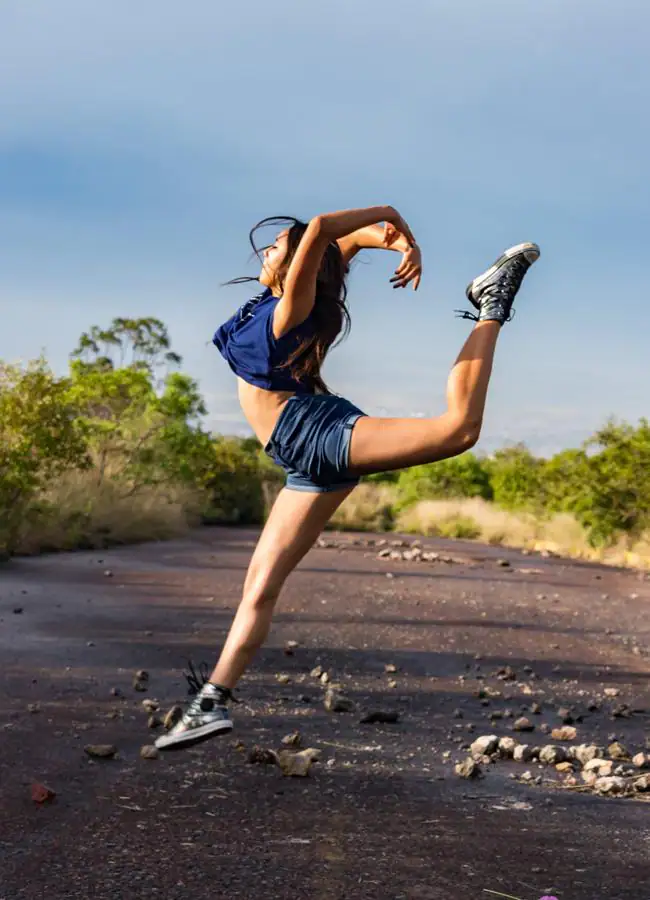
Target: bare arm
[(300, 285), (374, 237)]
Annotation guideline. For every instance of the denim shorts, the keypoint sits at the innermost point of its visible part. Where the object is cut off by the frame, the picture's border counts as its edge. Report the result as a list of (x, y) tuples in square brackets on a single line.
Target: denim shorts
[(311, 442)]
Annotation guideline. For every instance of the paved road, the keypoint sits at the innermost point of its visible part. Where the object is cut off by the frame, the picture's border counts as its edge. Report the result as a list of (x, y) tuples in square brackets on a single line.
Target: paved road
[(381, 815)]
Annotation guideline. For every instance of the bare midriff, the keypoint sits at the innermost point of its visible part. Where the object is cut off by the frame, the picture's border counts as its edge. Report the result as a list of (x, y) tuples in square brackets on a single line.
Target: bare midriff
[(262, 408)]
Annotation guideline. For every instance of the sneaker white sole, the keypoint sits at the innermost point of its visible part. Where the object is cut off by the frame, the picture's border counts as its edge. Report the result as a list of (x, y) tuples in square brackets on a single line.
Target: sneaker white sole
[(532, 252), (169, 741)]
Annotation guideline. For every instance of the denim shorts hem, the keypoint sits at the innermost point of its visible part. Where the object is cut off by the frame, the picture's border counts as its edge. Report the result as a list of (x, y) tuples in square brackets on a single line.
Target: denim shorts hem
[(321, 488)]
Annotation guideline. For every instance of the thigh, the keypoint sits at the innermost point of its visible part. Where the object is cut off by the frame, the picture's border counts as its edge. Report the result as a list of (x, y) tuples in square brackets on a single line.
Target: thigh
[(379, 445), (295, 522)]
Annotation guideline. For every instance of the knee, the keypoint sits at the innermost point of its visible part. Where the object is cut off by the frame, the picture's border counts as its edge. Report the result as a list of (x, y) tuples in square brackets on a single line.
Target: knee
[(261, 589)]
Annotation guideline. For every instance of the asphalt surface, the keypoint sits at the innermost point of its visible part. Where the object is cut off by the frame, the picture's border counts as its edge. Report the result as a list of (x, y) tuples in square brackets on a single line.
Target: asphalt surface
[(382, 814)]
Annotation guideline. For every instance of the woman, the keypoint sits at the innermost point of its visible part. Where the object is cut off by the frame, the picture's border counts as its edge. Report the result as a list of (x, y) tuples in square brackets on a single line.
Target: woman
[(276, 345)]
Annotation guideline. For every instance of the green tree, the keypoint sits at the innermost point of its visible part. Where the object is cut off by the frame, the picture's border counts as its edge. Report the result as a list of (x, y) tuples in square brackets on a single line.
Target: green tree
[(40, 438), (461, 476)]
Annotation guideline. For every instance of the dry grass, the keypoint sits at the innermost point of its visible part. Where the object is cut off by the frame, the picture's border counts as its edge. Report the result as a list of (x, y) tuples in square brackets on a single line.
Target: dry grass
[(76, 512), (369, 509)]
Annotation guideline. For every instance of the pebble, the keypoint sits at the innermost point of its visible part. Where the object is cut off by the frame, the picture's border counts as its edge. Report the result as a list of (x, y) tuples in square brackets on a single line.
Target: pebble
[(584, 753), (36, 708), (617, 751), (522, 753), (551, 755), (484, 746), (173, 715), (100, 751), (390, 668), (283, 679), (523, 724), (150, 706), (336, 702), (293, 739), (149, 752), (612, 692), (611, 785), (316, 672), (41, 793), (468, 769), (641, 760), (290, 647), (297, 765), (154, 722), (507, 747), (566, 733)]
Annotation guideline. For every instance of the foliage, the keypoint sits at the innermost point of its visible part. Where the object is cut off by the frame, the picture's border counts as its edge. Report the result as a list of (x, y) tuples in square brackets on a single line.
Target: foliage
[(121, 436)]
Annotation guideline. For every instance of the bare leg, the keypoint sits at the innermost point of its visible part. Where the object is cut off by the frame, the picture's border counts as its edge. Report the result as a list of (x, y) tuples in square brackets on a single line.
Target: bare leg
[(379, 445), (295, 522)]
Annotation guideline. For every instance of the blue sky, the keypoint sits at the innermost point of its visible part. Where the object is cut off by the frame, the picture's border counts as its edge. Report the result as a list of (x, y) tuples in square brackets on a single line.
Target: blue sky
[(139, 141)]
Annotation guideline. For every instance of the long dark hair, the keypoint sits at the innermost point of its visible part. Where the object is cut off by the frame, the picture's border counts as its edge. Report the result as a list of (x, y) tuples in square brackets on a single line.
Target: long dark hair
[(330, 314)]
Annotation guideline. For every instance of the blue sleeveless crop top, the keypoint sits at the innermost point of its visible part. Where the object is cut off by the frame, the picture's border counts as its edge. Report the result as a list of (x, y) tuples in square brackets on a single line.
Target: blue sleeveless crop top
[(247, 343)]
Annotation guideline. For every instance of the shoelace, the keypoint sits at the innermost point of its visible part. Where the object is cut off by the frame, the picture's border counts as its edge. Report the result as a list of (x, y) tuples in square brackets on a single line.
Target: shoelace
[(196, 679), (501, 291)]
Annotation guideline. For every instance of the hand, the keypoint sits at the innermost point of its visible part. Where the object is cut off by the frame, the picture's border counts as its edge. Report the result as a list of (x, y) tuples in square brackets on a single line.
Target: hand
[(395, 226), (410, 269)]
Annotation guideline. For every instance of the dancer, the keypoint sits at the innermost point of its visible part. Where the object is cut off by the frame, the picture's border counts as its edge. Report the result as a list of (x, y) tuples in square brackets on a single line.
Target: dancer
[(276, 344)]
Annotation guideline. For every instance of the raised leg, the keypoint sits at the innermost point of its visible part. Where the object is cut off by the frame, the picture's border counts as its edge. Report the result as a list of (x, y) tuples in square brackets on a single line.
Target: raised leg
[(379, 445), (295, 522)]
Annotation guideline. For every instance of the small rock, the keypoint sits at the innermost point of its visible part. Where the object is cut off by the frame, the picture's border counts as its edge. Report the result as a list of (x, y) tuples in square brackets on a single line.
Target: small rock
[(324, 678), (507, 747), (336, 702), (390, 668), (36, 708), (536, 709), (642, 783), (617, 751), (174, 715), (154, 722), (523, 724), (522, 753), (506, 673), (100, 751), (316, 672), (283, 679), (584, 753), (551, 755), (90, 643), (41, 793), (504, 563), (290, 647), (612, 692), (150, 706), (545, 728), (108, 573), (380, 717), (116, 692), (600, 766), (297, 765), (484, 746), (261, 756), (468, 769), (564, 767), (149, 752), (457, 714), (292, 740), (622, 711), (611, 785), (566, 733), (641, 760), (239, 746)]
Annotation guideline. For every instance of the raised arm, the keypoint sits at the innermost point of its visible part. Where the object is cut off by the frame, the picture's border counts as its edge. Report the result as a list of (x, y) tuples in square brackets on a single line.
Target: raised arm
[(374, 237), (300, 284)]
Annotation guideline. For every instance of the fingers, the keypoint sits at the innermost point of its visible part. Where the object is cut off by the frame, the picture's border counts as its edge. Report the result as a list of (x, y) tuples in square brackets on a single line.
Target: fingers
[(403, 276)]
